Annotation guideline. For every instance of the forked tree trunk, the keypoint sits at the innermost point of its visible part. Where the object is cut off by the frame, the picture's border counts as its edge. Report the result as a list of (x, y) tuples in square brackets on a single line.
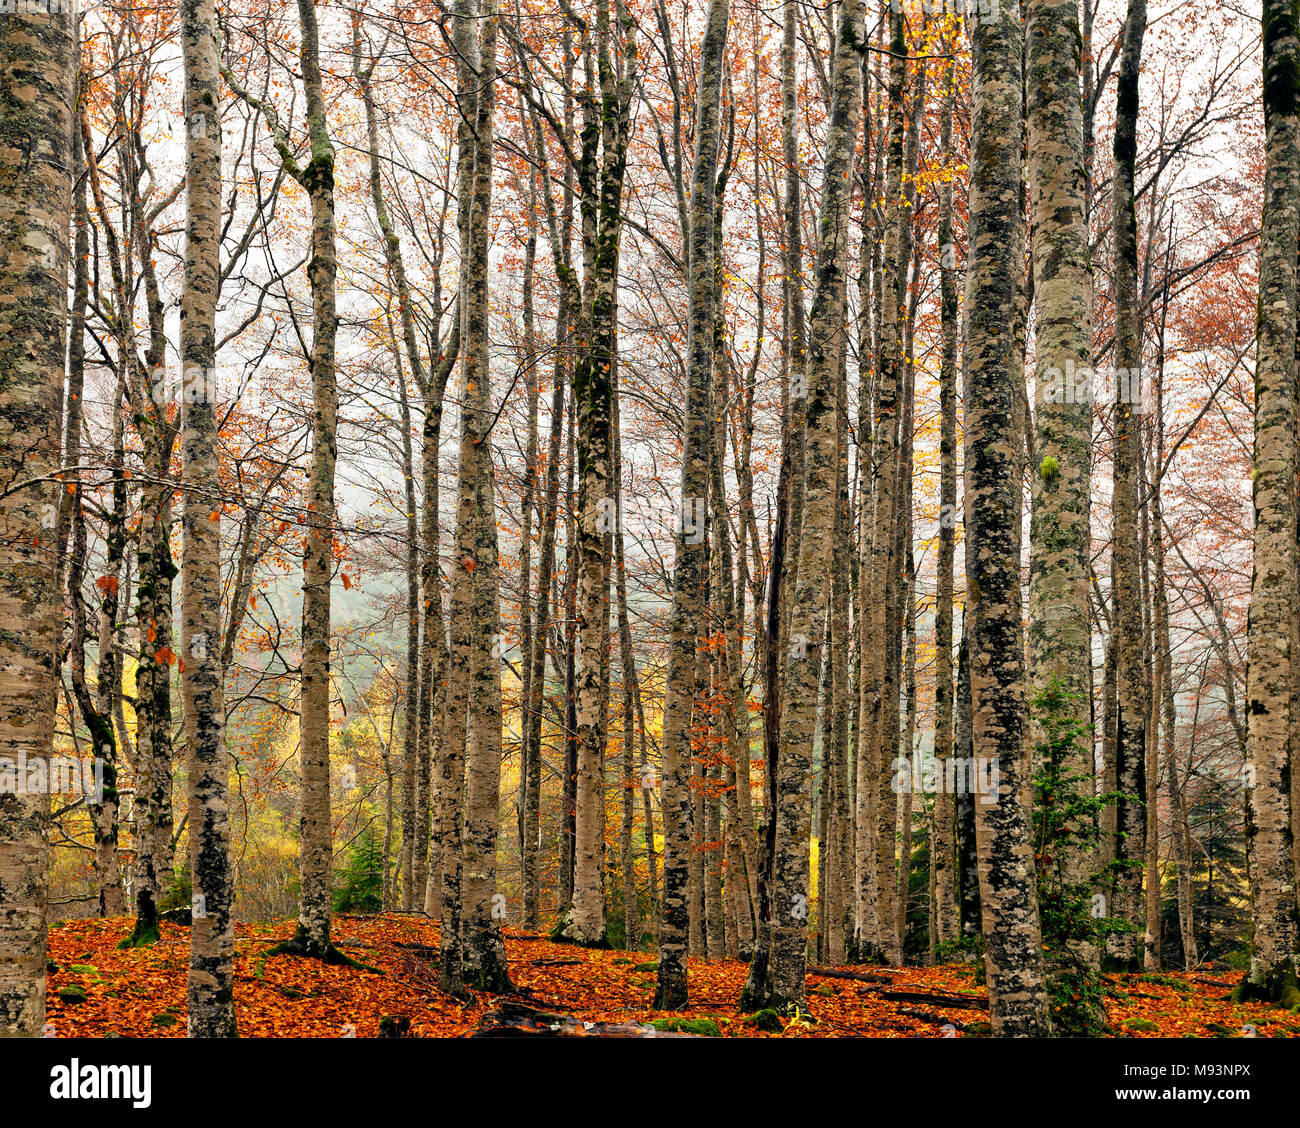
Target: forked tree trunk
[(608, 121), (97, 708), (469, 893)]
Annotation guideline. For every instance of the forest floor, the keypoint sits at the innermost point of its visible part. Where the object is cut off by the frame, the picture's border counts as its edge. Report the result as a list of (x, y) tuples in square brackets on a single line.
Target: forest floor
[(98, 990)]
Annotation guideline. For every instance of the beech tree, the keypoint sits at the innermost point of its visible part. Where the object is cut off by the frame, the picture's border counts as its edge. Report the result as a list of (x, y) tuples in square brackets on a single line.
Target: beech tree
[(688, 570), (36, 117), (1271, 631), (1013, 955), (700, 311), (212, 947), (777, 976), (1060, 636)]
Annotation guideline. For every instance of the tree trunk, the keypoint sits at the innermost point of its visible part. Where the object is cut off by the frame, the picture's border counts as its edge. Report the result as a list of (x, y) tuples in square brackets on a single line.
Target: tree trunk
[(686, 621), (212, 936), (476, 637), (1273, 596), (1060, 537), (1126, 602), (316, 840), (1013, 953), (946, 915), (782, 983), (37, 74)]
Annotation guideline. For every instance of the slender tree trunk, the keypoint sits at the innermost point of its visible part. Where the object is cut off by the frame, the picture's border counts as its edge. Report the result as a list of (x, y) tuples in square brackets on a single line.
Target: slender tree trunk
[(415, 726), (882, 717), (1126, 602), (476, 637), (559, 230), (838, 917), (946, 914), (782, 984), (529, 505), (96, 709), (968, 881), (631, 785), (1013, 953), (313, 934), (686, 620), (1169, 712), (212, 939)]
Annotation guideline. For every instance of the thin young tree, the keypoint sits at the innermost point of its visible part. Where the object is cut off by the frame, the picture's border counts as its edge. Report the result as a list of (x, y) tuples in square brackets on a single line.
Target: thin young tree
[(316, 177)]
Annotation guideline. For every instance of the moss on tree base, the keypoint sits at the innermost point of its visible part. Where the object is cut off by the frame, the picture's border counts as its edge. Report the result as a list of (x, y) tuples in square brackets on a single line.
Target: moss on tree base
[(1276, 986), (564, 932), (767, 1020), (758, 1003), (791, 1008), (143, 935)]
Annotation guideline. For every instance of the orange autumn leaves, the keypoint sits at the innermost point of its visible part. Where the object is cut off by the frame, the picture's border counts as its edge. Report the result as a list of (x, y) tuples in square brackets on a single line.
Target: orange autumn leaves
[(142, 992)]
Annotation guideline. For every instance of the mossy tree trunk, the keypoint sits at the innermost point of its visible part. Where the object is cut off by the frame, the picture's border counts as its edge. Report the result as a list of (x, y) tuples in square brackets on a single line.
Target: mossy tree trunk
[(1060, 537), (607, 124), (1013, 953), (212, 937), (37, 74)]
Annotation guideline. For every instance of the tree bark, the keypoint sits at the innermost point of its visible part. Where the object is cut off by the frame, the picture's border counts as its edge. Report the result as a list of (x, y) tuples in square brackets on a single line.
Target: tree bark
[(1060, 538), (946, 914), (1126, 602), (37, 74), (212, 936), (782, 982), (1270, 631), (686, 621), (1013, 951)]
